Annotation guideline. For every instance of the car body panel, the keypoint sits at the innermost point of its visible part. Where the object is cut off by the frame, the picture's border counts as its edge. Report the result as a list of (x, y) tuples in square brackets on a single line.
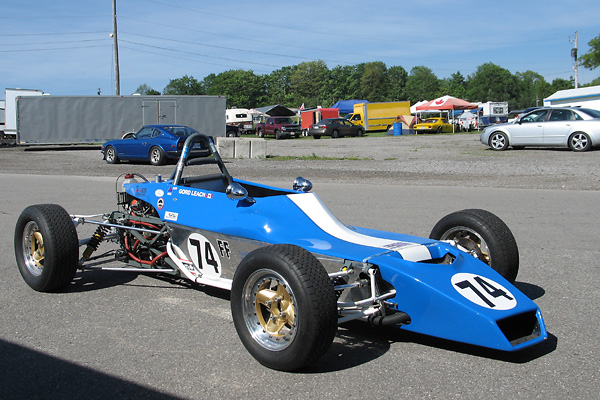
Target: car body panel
[(547, 127), (464, 300), (327, 126), (432, 125), (169, 138)]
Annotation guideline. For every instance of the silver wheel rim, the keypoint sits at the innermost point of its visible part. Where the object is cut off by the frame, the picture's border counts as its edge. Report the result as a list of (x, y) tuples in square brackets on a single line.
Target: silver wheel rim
[(110, 154), (498, 141), (470, 241), (579, 141), (269, 309), (155, 155), (33, 248)]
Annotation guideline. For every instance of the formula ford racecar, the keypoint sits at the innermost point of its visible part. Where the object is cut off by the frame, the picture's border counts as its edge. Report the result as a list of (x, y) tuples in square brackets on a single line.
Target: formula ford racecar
[(294, 271)]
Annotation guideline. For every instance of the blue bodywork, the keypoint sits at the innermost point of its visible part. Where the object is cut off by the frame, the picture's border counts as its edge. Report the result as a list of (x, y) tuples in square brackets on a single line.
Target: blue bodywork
[(462, 300), (169, 138)]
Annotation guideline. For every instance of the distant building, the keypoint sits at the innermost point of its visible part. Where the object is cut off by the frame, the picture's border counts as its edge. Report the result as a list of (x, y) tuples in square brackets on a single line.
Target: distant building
[(588, 97)]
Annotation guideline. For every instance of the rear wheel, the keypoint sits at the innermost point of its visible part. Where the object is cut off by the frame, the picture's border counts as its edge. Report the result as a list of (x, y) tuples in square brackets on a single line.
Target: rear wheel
[(580, 141), (260, 133), (335, 134), (359, 133), (157, 156), (284, 307), (46, 247), (484, 236), (111, 155)]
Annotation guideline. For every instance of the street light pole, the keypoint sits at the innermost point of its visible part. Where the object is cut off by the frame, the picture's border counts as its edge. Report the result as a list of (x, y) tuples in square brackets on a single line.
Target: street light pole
[(116, 49)]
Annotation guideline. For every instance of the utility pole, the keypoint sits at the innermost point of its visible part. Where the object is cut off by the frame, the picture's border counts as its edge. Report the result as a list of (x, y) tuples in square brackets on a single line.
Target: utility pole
[(574, 55), (116, 49)]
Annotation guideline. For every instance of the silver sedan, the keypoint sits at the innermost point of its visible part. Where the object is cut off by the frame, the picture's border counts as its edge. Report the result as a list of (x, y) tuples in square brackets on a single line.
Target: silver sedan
[(572, 127)]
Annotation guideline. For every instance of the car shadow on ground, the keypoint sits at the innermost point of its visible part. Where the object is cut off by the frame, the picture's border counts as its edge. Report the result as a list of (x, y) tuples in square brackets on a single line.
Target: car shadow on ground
[(60, 379), (358, 343)]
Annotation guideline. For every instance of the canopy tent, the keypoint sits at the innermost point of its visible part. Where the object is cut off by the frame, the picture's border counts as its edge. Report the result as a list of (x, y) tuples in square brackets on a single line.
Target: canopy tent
[(347, 106), (276, 111), (447, 104)]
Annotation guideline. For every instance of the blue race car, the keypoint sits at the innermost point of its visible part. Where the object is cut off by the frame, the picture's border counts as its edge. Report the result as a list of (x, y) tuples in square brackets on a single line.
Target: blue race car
[(294, 270), (154, 143)]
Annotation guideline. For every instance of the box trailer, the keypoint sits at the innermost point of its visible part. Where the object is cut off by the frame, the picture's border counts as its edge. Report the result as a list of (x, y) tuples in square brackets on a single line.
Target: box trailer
[(96, 119), (314, 115), (378, 116), (492, 112)]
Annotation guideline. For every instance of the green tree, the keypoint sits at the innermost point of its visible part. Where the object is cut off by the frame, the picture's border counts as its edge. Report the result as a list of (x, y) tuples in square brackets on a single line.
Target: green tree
[(306, 83), (455, 85), (374, 82), (277, 86), (397, 83), (144, 89), (591, 59), (493, 83), (338, 84), (242, 88), (422, 84), (562, 84), (534, 89), (186, 85)]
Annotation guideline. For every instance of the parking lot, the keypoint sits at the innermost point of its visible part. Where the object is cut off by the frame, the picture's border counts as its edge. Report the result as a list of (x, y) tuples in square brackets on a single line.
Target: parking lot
[(123, 335)]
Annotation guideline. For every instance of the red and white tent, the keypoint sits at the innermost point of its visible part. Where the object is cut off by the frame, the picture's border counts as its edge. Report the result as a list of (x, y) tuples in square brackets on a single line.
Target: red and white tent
[(447, 103)]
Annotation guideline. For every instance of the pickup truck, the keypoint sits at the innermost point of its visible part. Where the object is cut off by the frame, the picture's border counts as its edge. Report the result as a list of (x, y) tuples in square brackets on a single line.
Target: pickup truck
[(279, 127)]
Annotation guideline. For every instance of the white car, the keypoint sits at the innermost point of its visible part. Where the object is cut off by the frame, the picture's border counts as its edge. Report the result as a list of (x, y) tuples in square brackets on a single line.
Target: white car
[(572, 127)]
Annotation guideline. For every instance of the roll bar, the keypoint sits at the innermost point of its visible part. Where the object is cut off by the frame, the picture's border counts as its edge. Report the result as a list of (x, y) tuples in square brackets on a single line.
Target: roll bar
[(185, 153)]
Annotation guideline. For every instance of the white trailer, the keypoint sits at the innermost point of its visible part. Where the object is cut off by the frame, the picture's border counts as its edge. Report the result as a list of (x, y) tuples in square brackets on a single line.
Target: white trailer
[(243, 118), (10, 108)]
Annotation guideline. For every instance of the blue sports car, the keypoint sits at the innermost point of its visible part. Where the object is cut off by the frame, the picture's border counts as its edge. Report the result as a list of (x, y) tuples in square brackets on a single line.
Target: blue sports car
[(293, 269), (154, 143)]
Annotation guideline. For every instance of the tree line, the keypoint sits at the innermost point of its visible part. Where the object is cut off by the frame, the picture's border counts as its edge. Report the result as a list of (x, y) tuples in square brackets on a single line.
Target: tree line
[(313, 84)]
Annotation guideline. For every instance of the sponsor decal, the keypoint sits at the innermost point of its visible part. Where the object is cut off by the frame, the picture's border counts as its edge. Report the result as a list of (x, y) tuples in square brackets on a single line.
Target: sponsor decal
[(140, 191), (160, 203), (171, 216), (159, 193), (194, 193), (170, 191)]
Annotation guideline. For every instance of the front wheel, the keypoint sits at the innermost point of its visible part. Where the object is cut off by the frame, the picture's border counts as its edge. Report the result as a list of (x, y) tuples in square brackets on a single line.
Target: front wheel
[(284, 307), (498, 141), (46, 247), (484, 236), (580, 141), (360, 133), (157, 156), (335, 134)]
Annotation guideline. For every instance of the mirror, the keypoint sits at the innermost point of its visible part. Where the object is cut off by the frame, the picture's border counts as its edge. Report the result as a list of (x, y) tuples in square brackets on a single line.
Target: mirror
[(235, 191), (301, 184)]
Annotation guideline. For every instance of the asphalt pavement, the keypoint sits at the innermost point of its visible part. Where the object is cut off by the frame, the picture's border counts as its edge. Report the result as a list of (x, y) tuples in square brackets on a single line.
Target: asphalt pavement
[(128, 336)]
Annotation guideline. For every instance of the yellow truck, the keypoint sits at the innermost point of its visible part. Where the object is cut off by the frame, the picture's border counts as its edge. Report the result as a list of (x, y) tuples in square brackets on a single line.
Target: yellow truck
[(378, 116)]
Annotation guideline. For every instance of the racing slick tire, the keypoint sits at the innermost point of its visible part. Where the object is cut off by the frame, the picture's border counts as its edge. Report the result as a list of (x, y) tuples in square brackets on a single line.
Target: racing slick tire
[(284, 307), (46, 247), (157, 156), (111, 156), (484, 236), (580, 141)]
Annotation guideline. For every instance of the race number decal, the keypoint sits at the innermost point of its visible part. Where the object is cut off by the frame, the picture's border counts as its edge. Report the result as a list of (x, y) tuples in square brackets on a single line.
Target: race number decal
[(204, 255), (483, 291)]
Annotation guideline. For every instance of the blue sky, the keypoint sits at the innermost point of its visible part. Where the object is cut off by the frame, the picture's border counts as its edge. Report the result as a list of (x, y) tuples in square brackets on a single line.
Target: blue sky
[(63, 47)]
